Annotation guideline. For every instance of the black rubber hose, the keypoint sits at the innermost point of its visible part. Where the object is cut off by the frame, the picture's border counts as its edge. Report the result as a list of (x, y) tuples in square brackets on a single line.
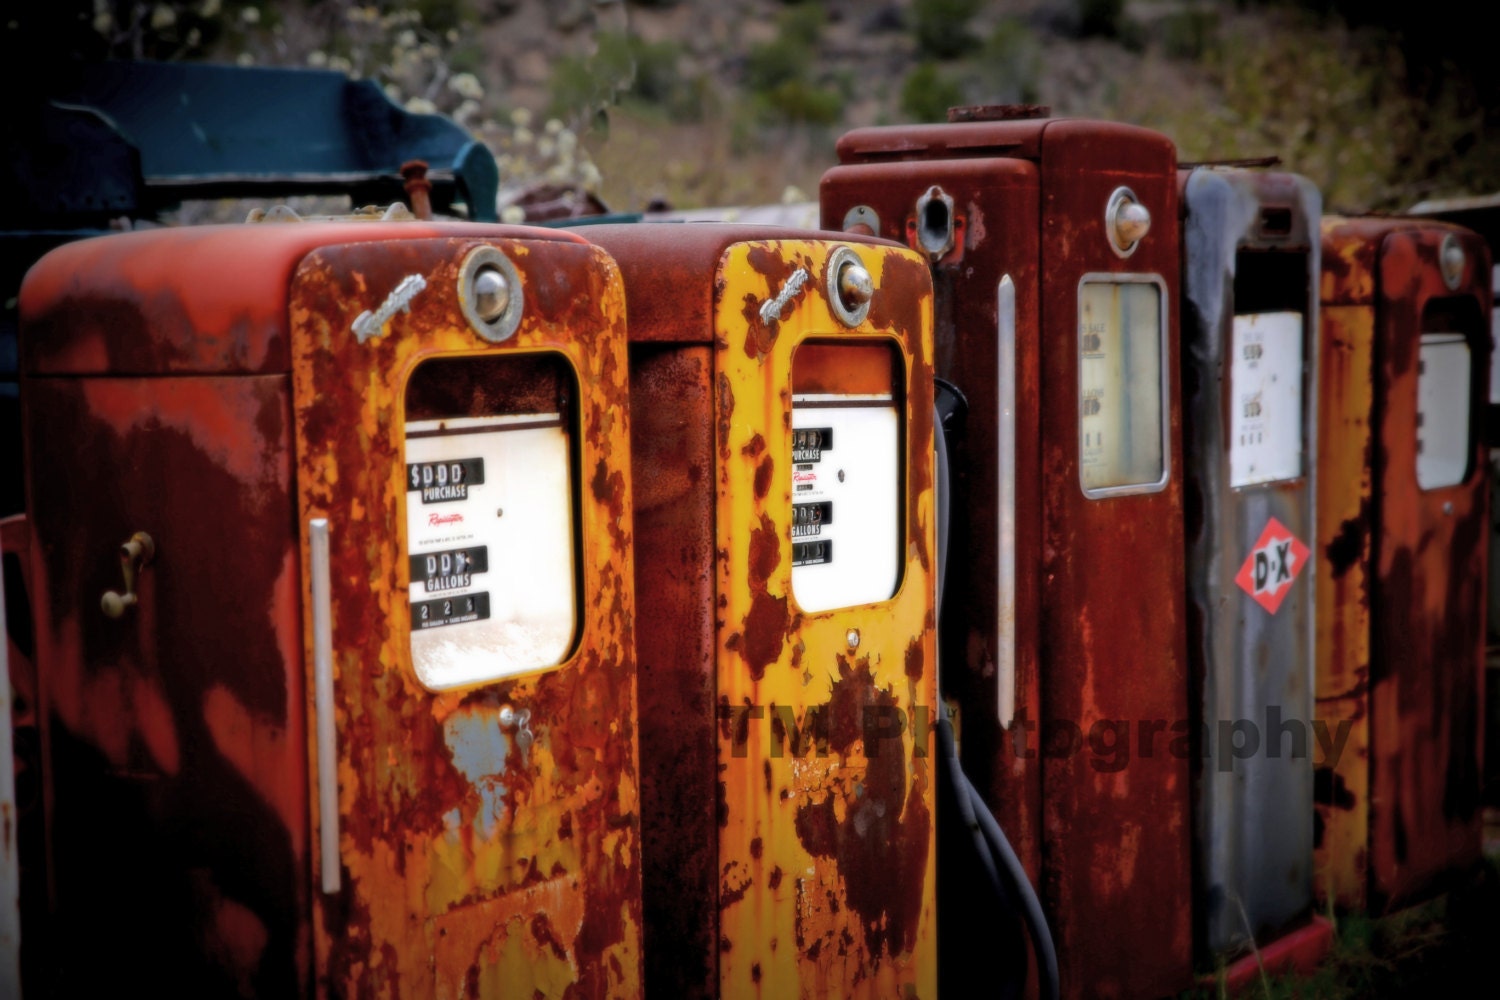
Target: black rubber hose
[(981, 936), (997, 859), (1020, 888)]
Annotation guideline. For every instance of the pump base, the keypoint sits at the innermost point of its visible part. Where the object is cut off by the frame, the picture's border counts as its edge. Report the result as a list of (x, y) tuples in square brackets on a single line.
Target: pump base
[(1299, 951)]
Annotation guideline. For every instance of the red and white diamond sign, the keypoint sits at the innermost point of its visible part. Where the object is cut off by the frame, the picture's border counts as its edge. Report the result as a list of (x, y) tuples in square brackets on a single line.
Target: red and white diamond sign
[(1272, 566)]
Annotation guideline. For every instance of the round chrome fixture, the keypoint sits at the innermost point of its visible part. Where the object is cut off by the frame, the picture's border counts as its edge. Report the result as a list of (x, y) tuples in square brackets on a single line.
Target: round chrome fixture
[(489, 291), (1452, 260), (850, 287), (1126, 221)]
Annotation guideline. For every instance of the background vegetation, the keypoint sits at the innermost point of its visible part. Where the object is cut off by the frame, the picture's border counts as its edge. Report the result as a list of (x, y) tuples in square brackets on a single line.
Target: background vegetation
[(735, 101)]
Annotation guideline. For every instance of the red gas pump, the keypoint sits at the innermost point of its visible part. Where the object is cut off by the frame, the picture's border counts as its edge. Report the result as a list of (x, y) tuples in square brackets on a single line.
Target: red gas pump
[(1054, 250)]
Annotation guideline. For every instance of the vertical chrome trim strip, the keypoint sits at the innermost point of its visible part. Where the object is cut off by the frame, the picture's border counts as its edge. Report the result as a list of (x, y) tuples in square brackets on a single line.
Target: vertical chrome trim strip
[(322, 629), (1005, 381)]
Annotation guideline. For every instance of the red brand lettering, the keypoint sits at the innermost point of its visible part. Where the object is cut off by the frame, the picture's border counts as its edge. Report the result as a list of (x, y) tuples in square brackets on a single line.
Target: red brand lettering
[(1272, 566), (444, 518)]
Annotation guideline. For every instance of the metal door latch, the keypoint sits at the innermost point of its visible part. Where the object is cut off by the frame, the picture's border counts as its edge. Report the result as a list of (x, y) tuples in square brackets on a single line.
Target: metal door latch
[(135, 555)]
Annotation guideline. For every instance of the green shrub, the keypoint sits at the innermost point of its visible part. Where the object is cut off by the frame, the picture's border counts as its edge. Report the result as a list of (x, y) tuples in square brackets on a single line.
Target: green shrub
[(942, 27), (926, 95), (772, 64), (1008, 64), (779, 74), (798, 101), (1189, 33)]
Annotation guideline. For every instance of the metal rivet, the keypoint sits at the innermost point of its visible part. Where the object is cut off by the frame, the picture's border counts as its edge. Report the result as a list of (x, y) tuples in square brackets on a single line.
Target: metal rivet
[(862, 219), (491, 294), (853, 638), (1448, 507)]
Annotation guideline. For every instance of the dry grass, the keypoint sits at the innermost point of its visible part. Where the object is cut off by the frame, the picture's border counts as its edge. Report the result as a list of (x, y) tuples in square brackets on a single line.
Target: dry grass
[(711, 163), (1441, 948)]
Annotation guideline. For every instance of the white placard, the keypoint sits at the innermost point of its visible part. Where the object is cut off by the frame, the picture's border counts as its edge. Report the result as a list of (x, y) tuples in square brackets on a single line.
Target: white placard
[(1442, 410), (846, 500), (1265, 398), (489, 515)]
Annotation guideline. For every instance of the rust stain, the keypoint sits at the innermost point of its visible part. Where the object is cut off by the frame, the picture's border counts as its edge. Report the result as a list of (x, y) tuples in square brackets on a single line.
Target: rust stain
[(135, 704), (878, 828), (1348, 545), (914, 660)]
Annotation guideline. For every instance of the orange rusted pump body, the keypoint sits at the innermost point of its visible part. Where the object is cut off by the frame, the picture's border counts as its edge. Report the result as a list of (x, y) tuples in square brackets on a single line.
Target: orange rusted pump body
[(284, 755), (1402, 556), (782, 446)]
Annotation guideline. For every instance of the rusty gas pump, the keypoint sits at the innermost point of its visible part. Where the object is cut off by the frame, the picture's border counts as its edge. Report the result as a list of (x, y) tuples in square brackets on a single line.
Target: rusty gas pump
[(1250, 319), (1054, 250), (331, 528), (781, 395), (1402, 556)]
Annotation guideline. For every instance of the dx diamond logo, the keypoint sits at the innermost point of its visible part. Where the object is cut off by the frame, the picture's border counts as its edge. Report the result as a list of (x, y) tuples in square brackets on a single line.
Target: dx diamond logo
[(1272, 566)]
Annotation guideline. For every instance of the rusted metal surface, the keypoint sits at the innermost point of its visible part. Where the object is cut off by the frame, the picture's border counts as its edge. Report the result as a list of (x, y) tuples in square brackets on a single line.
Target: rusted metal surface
[(1099, 580), (816, 854), (991, 194), (1345, 515), (672, 462), (182, 726), (215, 304), (178, 727), (1400, 814), (1250, 275), (852, 830), (1117, 842), (418, 188), (472, 862)]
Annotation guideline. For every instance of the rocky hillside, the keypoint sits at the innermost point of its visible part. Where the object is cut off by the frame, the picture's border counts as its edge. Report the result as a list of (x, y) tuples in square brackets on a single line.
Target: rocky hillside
[(730, 100), (712, 102)]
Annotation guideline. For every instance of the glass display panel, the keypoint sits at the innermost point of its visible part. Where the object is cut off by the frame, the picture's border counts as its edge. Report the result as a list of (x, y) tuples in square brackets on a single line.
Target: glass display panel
[(1122, 385)]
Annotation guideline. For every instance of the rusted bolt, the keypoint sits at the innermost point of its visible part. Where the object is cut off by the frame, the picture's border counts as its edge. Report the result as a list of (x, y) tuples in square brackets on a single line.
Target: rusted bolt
[(418, 188)]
